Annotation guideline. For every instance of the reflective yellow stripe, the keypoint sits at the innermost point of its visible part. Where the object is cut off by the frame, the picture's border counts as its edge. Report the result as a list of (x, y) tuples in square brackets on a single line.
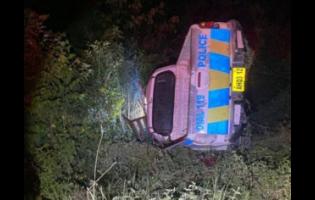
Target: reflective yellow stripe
[(218, 114), (218, 80), (219, 47)]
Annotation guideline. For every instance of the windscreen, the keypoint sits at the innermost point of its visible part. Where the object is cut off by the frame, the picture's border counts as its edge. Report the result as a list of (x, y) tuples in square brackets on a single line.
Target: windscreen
[(163, 103)]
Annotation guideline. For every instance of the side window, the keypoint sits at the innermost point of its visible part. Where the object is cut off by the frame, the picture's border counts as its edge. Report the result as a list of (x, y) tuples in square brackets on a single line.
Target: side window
[(163, 103)]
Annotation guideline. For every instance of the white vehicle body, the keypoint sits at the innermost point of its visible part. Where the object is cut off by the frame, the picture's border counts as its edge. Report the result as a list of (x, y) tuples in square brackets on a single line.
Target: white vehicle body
[(192, 103)]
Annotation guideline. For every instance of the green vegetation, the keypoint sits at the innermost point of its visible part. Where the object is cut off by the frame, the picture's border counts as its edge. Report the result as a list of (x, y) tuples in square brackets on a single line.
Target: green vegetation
[(78, 85)]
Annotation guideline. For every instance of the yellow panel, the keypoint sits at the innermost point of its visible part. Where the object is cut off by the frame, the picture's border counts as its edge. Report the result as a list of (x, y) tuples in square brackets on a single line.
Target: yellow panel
[(238, 83), (218, 114), (218, 80), (219, 47)]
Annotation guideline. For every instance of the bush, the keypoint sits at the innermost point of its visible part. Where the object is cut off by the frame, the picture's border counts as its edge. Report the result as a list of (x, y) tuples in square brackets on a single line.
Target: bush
[(72, 97), (53, 117), (104, 90)]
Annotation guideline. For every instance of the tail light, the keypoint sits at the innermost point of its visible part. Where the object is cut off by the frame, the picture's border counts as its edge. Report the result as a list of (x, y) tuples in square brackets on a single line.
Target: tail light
[(209, 25)]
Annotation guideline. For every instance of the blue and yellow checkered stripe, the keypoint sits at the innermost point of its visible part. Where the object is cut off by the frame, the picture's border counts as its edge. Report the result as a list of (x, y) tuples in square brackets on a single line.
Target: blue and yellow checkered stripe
[(219, 85)]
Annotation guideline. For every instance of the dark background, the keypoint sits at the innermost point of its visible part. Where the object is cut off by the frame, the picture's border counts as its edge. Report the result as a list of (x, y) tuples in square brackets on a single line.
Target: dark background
[(267, 26)]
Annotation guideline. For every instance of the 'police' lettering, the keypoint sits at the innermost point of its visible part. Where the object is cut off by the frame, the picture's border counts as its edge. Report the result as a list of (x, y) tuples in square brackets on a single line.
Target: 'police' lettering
[(202, 50)]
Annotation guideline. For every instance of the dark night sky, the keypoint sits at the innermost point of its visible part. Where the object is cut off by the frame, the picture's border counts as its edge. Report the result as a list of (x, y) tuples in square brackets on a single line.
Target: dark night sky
[(63, 12)]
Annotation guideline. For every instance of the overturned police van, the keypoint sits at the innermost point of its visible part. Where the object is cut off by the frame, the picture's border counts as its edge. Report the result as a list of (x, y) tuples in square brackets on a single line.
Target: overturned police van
[(199, 101)]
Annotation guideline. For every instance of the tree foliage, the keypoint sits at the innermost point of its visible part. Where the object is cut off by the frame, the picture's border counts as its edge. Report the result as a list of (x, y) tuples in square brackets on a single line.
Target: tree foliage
[(71, 98)]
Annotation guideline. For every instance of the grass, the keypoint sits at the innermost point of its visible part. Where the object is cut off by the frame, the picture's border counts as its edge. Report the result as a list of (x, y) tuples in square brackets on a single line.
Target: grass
[(136, 170)]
